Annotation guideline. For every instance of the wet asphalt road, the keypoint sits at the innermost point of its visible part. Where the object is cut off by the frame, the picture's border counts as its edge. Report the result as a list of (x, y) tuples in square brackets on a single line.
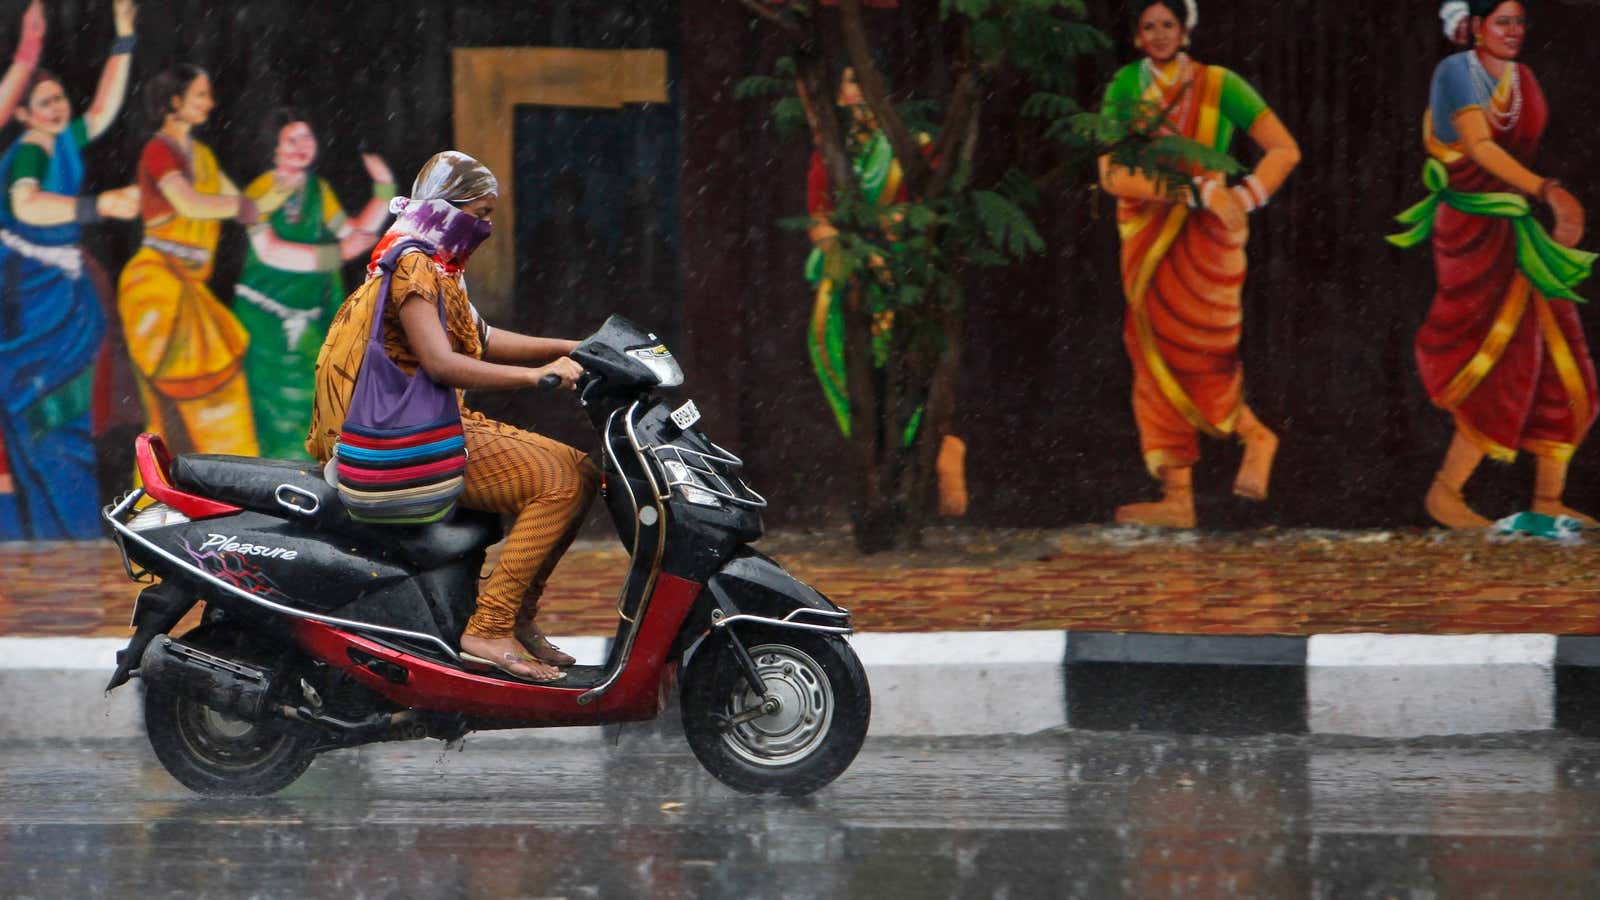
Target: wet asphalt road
[(1056, 815)]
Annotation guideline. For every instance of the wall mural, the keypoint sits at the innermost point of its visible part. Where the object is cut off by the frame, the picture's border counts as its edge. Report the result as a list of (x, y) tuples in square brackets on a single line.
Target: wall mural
[(1502, 349), (210, 378), (1183, 265), (226, 368), (51, 325), (188, 349), (291, 285), (880, 176)]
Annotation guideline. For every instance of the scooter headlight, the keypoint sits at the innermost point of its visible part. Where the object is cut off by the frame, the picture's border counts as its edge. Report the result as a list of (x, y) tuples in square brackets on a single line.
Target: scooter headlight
[(689, 482), (660, 362)]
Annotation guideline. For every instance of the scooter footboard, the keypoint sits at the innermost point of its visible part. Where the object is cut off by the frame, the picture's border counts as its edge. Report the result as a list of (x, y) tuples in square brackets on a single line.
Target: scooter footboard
[(754, 589)]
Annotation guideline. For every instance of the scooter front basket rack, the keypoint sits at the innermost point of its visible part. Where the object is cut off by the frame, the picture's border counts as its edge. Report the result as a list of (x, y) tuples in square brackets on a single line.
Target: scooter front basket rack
[(711, 472)]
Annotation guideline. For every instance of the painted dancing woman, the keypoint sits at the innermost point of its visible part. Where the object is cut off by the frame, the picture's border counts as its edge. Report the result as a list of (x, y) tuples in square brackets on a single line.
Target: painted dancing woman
[(1502, 349), (1183, 265), (291, 283), (51, 325)]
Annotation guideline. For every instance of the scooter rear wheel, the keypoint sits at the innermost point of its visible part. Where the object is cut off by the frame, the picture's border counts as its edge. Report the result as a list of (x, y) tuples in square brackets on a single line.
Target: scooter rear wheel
[(216, 754), (823, 705)]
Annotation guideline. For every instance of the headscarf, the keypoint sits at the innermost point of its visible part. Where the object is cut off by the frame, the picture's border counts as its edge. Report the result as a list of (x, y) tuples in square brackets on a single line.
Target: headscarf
[(453, 176), (430, 215)]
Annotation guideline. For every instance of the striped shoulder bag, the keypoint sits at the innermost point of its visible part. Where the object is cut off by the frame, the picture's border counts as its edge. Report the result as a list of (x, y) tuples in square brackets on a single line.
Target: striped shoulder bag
[(401, 456)]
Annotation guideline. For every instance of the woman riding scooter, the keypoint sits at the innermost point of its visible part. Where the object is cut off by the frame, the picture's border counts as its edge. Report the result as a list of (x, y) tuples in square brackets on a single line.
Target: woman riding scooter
[(545, 484)]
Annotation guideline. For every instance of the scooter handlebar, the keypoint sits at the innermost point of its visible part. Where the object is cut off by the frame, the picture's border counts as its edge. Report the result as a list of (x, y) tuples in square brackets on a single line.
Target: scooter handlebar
[(550, 382)]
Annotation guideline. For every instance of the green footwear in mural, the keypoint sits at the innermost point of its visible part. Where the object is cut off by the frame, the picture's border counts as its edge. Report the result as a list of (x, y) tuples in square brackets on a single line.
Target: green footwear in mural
[(1539, 525)]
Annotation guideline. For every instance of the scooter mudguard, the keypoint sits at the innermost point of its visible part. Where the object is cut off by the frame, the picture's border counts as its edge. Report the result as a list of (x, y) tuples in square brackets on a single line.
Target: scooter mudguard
[(158, 609), (752, 584)]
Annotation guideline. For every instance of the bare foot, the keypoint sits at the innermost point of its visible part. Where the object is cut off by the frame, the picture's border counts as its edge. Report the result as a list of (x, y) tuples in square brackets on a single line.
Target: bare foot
[(952, 470), (1255, 470), (1557, 508), (1172, 512), (507, 655), (1447, 507)]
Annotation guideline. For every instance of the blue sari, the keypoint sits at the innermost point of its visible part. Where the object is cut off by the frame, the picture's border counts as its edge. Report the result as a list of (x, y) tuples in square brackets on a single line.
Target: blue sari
[(51, 328)]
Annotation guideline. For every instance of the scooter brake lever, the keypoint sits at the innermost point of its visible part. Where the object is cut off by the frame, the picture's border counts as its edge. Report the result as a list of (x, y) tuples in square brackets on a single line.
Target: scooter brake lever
[(586, 382)]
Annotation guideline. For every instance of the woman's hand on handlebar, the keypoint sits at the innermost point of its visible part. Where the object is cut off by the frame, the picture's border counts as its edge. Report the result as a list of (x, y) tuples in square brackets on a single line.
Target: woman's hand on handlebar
[(563, 368)]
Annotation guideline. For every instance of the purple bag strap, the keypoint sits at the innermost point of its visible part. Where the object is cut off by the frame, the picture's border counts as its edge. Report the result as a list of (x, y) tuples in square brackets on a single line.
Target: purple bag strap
[(387, 264)]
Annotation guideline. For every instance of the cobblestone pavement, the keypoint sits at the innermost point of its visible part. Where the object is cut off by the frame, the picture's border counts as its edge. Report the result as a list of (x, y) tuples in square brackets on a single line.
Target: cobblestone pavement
[(1090, 578)]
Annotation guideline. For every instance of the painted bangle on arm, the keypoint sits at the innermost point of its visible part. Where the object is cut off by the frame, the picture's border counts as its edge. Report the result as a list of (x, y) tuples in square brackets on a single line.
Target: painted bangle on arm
[(1201, 195), (1252, 195), (86, 209)]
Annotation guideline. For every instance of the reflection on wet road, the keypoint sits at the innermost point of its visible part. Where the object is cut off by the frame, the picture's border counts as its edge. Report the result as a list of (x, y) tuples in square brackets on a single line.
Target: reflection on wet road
[(1068, 814)]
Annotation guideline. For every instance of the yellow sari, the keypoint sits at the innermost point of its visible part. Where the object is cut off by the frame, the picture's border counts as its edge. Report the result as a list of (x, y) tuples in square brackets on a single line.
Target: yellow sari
[(187, 348)]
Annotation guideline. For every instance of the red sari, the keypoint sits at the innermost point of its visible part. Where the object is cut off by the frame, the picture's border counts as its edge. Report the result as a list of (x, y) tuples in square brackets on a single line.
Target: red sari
[(1511, 364)]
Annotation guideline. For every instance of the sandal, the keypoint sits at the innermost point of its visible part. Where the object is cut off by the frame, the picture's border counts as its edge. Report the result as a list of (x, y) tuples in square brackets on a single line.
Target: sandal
[(542, 650), (480, 662)]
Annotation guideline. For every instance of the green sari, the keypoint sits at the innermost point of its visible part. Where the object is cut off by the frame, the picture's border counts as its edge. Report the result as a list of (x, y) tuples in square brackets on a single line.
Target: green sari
[(287, 315), (880, 177)]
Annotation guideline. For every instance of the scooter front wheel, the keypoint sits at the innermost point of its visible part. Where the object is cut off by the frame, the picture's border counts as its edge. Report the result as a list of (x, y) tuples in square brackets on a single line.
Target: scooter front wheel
[(800, 734)]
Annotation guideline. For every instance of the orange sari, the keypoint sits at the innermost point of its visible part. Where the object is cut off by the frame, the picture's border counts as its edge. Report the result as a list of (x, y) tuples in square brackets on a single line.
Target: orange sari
[(1182, 273)]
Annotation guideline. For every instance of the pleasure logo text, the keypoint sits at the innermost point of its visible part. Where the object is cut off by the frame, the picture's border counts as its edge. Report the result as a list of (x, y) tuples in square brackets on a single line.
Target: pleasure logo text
[(229, 544)]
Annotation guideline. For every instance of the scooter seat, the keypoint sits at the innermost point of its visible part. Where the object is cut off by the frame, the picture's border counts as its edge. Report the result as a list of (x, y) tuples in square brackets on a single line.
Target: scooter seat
[(271, 486), (259, 484)]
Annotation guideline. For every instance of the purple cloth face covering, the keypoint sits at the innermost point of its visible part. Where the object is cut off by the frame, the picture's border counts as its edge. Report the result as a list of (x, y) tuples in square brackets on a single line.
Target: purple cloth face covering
[(453, 234)]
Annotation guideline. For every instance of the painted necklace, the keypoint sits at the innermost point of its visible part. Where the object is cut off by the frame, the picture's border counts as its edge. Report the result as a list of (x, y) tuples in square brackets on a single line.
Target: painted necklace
[(1181, 80), (295, 206), (1180, 72), (1487, 86)]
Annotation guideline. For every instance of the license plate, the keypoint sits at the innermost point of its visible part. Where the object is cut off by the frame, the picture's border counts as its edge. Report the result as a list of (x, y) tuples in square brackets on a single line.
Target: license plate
[(685, 416)]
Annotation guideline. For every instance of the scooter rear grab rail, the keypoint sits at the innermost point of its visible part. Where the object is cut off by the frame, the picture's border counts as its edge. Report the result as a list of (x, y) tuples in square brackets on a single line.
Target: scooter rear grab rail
[(154, 461)]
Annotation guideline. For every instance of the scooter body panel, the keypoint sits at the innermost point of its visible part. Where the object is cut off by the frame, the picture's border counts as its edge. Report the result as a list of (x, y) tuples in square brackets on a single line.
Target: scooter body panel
[(273, 559), (420, 683), (752, 583)]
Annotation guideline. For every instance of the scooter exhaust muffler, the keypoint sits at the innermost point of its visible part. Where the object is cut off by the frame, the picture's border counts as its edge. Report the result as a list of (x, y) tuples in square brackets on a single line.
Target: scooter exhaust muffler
[(224, 685)]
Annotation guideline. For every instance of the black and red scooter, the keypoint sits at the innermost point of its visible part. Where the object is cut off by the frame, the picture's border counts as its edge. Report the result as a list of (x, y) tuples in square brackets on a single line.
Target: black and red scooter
[(321, 632)]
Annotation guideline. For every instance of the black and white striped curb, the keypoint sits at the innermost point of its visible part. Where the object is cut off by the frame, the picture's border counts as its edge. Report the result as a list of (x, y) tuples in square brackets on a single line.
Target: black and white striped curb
[(1021, 682)]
